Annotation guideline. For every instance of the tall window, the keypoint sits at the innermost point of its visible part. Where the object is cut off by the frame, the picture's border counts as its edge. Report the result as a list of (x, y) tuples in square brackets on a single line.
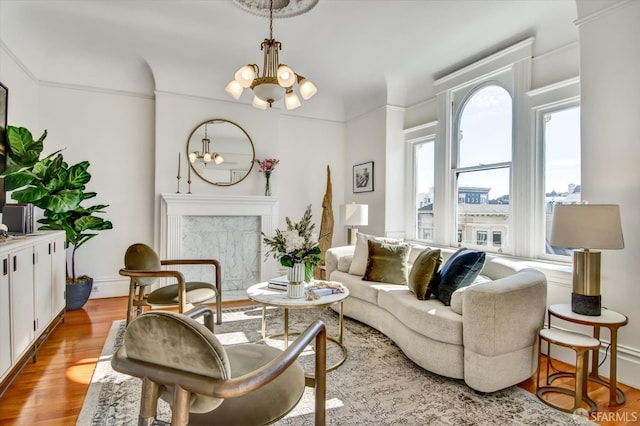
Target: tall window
[(505, 154), (424, 177), (483, 165), (561, 133)]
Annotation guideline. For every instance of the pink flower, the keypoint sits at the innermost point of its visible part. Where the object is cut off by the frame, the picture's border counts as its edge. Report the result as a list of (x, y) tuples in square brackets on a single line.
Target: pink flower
[(267, 165)]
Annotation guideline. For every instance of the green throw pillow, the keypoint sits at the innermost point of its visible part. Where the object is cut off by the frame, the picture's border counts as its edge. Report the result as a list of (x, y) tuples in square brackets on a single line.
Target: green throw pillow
[(423, 276), (387, 263)]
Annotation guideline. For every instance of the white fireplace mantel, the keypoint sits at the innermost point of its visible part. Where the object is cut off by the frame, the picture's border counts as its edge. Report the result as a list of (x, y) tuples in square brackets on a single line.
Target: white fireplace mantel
[(173, 207)]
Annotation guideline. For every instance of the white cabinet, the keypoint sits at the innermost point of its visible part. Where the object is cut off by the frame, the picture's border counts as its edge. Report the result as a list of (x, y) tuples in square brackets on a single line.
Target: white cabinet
[(21, 301), (32, 285), (5, 317), (58, 272)]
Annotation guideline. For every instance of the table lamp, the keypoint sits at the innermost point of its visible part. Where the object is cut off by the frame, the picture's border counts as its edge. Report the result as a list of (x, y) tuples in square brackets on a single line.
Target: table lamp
[(355, 215), (585, 227)]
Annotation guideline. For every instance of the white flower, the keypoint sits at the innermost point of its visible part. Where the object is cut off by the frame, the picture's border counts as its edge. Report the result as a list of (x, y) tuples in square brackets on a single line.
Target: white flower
[(293, 241)]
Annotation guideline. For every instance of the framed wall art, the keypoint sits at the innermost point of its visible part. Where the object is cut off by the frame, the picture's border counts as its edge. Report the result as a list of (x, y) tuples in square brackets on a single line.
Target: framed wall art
[(363, 177)]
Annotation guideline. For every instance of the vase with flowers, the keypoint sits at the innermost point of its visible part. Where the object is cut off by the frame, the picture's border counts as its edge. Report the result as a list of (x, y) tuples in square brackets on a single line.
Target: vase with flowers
[(297, 249), (267, 167)]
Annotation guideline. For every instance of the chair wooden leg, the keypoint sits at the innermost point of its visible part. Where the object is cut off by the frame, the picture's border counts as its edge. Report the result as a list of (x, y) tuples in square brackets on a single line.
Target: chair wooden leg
[(180, 407), (218, 309), (132, 295), (148, 403)]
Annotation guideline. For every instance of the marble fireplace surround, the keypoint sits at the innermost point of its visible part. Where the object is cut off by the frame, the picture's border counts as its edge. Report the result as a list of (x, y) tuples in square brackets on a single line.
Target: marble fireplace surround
[(175, 207)]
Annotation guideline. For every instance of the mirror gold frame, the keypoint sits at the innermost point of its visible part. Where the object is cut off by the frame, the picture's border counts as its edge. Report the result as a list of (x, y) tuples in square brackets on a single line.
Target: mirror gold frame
[(231, 150)]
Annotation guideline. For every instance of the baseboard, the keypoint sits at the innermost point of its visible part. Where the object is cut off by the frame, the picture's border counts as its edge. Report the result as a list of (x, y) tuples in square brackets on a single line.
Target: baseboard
[(109, 287)]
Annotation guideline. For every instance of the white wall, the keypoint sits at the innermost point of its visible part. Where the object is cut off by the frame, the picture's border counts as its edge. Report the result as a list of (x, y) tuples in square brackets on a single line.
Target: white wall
[(304, 146), (115, 133), (609, 63), (395, 147), (366, 141), (23, 93)]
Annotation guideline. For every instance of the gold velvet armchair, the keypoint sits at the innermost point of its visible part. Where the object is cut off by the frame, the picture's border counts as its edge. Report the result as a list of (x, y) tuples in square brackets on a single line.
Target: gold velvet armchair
[(208, 384), (144, 268)]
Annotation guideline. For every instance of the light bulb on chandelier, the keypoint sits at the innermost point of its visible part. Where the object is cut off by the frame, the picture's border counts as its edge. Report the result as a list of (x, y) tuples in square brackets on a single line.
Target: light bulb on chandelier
[(277, 80), (205, 156)]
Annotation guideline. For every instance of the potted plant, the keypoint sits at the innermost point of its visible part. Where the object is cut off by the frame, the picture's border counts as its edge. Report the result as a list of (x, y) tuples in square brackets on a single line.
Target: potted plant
[(59, 190), (297, 249)]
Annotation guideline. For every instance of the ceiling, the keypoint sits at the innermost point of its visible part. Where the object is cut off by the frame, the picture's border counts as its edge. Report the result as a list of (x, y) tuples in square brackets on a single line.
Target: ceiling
[(357, 52)]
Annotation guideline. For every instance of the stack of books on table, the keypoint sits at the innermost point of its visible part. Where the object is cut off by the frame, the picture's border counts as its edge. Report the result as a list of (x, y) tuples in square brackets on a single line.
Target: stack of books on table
[(279, 283), (325, 288)]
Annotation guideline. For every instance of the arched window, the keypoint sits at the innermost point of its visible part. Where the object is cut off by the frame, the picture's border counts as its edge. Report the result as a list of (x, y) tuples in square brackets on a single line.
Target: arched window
[(482, 165)]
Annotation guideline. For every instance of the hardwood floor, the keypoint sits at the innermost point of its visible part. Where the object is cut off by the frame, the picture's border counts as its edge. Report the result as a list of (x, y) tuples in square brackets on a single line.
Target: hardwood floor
[(51, 391)]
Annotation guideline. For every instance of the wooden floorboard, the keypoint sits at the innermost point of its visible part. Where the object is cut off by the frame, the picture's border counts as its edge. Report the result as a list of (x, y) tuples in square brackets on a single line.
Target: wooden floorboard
[(51, 390)]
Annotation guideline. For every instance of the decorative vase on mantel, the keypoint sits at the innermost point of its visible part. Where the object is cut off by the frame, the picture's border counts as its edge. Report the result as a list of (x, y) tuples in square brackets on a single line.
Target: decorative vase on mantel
[(267, 186), (296, 274)]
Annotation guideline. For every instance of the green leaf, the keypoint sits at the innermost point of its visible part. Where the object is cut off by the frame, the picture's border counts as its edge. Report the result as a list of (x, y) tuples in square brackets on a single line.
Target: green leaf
[(63, 201), (18, 180), (91, 223), (78, 176), (30, 195), (97, 208), (22, 148)]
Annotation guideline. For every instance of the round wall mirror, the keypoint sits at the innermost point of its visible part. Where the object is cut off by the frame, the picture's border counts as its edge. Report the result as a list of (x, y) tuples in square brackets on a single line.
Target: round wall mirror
[(220, 152)]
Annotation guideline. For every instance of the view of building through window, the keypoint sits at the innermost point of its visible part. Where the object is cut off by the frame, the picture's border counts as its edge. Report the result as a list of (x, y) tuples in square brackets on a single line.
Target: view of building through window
[(424, 158), (561, 130), (483, 171)]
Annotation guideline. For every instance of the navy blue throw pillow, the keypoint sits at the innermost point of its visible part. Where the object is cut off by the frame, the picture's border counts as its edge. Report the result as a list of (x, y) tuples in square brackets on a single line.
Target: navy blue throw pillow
[(461, 270)]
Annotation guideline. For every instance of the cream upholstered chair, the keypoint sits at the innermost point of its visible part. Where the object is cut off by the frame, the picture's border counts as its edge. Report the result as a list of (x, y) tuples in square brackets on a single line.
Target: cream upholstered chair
[(144, 267), (181, 361)]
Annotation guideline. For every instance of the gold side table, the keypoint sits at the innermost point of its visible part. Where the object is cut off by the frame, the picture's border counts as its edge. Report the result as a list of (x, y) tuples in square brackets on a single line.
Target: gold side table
[(265, 296), (581, 344), (609, 319)]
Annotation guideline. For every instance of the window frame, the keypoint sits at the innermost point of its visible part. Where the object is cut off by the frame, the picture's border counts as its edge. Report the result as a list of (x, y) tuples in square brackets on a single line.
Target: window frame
[(463, 96), (539, 113), (414, 136)]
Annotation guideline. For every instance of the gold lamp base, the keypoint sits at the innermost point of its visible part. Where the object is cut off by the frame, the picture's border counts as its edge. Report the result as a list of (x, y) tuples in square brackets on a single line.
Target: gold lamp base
[(586, 298), (351, 236)]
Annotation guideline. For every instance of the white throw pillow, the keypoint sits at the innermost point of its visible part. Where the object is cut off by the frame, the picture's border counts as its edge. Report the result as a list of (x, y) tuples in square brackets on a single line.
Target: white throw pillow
[(360, 255)]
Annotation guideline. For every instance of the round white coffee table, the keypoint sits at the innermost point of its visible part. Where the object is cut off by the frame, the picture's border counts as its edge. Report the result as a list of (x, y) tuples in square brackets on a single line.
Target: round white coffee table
[(262, 294)]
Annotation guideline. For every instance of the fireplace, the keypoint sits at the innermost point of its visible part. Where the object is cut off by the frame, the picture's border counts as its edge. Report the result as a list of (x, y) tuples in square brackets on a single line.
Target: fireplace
[(225, 227)]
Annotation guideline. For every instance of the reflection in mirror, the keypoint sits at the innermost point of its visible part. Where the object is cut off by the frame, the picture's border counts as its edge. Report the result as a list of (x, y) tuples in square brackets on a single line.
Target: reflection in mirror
[(220, 152)]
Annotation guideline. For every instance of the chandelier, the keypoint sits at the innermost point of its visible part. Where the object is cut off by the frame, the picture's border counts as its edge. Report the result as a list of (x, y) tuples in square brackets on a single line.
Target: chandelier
[(276, 81), (205, 156)]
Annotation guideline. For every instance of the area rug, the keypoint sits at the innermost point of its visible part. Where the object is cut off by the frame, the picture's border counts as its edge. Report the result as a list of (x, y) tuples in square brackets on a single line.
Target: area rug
[(377, 384)]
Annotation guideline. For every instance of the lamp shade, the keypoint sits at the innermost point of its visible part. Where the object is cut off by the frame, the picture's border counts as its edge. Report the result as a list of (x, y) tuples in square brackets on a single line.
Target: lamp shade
[(307, 88), (245, 75), (356, 214), (259, 103), (286, 76), (291, 100), (234, 89), (589, 226)]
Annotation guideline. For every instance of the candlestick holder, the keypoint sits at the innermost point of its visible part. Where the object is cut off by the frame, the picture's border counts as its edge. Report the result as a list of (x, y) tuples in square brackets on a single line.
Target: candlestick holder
[(178, 191), (189, 186)]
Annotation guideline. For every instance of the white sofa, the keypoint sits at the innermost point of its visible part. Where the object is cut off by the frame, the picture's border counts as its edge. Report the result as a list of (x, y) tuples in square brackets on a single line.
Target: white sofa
[(488, 336)]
